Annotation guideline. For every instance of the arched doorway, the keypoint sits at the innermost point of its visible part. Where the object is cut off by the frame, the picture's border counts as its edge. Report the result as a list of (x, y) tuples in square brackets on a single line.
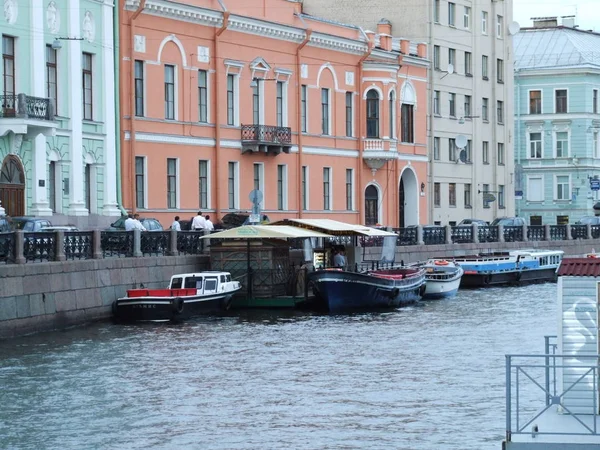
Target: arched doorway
[(12, 186), (408, 199), (371, 205)]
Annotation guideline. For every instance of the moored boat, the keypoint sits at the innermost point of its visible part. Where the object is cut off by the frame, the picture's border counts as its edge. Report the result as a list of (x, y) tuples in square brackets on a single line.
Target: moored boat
[(339, 290), (188, 295), (515, 267), (442, 278)]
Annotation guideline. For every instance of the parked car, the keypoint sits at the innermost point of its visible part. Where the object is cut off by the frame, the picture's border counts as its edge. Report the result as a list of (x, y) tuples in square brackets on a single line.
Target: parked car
[(29, 224), (466, 222), (587, 220), (149, 224), (60, 228), (510, 234)]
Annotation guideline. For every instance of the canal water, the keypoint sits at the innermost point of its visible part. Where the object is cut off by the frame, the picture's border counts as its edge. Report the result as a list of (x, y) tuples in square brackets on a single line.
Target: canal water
[(429, 376)]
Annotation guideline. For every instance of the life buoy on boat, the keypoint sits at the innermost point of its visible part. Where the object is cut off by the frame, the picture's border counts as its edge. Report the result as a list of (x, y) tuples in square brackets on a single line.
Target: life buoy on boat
[(177, 305), (441, 262)]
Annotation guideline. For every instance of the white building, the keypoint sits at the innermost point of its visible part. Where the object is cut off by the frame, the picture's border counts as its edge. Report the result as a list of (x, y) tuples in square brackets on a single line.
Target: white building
[(471, 95)]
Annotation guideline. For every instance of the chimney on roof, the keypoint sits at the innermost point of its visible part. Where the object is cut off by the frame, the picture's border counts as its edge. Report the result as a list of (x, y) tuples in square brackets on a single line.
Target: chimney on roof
[(384, 30), (545, 22), (568, 21)]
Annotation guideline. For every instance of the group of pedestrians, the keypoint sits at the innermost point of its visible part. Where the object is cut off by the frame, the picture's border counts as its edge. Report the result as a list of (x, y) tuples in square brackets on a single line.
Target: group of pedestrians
[(133, 223), (199, 223)]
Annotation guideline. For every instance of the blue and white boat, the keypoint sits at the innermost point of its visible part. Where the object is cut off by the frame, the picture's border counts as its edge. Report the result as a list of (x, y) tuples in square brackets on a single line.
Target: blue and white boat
[(519, 266), (442, 278), (340, 291)]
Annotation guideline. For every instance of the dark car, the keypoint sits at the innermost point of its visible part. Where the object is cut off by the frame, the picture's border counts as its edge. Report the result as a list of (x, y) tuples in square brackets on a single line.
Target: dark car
[(148, 223), (510, 234), (29, 224), (466, 222)]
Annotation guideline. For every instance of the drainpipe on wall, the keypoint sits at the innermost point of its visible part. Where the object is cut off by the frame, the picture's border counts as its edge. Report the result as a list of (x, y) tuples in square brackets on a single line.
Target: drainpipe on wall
[(308, 32), (217, 109), (132, 104), (117, 58), (361, 141)]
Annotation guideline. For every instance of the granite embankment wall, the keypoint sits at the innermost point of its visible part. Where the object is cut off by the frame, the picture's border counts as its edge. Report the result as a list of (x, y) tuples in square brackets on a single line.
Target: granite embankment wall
[(38, 297)]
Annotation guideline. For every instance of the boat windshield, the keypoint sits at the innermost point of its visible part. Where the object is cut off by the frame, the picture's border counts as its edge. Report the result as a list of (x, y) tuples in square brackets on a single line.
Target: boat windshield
[(176, 283), (193, 283)]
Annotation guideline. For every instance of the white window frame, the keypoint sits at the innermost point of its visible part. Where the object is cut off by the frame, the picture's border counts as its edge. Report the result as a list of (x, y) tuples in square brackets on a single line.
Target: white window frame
[(554, 100), (436, 103), (177, 183), (541, 91), (595, 101), (436, 11), (595, 145), (484, 22), (353, 185), (284, 187), (306, 112), (469, 66), (437, 63), (330, 188), (485, 68), (329, 108), (236, 182), (452, 56), (467, 18), (234, 68), (529, 142), (452, 101), (451, 14), (535, 177), (208, 182), (207, 96), (499, 26), (261, 181), (307, 187), (555, 186), (555, 139), (436, 148), (145, 166)]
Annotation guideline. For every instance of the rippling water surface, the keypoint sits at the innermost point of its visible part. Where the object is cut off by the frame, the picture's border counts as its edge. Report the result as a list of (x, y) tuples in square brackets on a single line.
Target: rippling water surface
[(429, 376)]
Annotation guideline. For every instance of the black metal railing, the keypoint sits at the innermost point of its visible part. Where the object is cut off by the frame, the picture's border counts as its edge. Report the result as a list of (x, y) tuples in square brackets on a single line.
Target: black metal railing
[(7, 247), (155, 242), (38, 108), (579, 231), (189, 242), (595, 231), (513, 234), (406, 236), (487, 233), (434, 235), (39, 246), (558, 232), (8, 105), (536, 233), (79, 244), (267, 134), (116, 243), (21, 105), (462, 234)]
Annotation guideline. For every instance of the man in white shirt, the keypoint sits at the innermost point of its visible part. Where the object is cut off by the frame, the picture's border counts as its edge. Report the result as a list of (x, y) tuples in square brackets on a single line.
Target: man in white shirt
[(129, 223), (137, 224), (175, 225), (209, 224), (199, 222)]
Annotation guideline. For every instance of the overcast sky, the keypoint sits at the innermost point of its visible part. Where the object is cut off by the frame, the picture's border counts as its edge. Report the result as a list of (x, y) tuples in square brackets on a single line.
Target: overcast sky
[(587, 11)]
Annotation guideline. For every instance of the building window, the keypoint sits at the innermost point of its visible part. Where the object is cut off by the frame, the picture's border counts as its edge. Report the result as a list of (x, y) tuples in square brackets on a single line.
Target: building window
[(485, 147), (484, 109), (8, 65), (451, 13), (467, 195), (232, 185), (281, 187), (500, 70), (303, 111), (256, 102), (560, 100), (484, 67), (486, 190), (467, 106), (535, 102), (169, 92), (202, 96), (51, 76), (87, 186), (372, 114), (452, 104), (468, 64), (86, 65), (371, 205), (139, 88), (52, 172), (203, 184), (258, 178), (437, 195), (468, 150), (279, 103), (484, 21), (500, 27), (436, 103), (500, 109), (467, 18), (535, 145), (500, 153), (436, 11), (230, 100), (349, 189), (562, 188), (452, 194), (562, 144), (392, 114), (408, 123), (501, 196), (325, 111), (535, 189), (452, 149), (349, 114), (596, 155), (304, 188), (595, 102), (171, 183), (140, 182), (436, 57), (326, 188), (452, 57), (436, 148)]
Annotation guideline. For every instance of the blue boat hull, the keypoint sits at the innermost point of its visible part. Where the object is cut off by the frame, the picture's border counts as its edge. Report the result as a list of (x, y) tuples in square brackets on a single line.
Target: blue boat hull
[(339, 291), (482, 279)]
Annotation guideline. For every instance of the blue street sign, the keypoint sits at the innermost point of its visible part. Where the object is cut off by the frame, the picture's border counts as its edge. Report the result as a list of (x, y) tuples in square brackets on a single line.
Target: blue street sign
[(594, 184)]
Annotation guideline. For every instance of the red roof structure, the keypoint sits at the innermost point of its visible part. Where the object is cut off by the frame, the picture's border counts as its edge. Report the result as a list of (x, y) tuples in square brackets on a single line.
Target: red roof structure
[(580, 267)]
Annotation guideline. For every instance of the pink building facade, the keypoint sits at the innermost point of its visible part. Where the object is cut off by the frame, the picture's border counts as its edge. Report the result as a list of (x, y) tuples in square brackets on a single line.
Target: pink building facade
[(222, 97)]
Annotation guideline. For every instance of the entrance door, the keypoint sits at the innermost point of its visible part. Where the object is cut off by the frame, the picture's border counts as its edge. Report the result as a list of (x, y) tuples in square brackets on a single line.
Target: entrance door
[(401, 203), (12, 186), (371, 205)]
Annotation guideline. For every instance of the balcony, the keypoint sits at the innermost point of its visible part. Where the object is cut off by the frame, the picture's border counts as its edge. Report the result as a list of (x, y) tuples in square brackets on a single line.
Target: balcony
[(24, 114), (266, 139), (379, 151)]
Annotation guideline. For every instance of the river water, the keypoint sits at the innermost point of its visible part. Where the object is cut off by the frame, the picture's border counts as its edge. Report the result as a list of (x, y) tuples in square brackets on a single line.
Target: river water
[(429, 376)]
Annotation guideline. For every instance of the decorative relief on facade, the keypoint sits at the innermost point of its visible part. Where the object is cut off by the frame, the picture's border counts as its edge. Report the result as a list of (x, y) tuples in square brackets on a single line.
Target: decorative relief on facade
[(11, 11), (304, 70), (88, 27), (140, 43), (350, 78), (203, 54), (52, 18)]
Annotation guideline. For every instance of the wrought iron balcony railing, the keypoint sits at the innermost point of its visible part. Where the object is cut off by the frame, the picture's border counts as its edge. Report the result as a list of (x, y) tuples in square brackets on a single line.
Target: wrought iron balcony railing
[(267, 134), (25, 106)]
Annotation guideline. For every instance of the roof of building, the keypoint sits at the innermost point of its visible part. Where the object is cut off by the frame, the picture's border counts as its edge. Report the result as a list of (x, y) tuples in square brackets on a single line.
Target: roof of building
[(580, 267), (556, 47)]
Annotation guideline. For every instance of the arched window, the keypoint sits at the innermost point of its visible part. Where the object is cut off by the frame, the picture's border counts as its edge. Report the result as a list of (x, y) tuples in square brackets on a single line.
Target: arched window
[(372, 114), (371, 205), (392, 105)]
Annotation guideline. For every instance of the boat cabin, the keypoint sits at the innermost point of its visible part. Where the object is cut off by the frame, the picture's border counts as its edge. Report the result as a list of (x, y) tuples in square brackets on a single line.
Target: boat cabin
[(204, 282)]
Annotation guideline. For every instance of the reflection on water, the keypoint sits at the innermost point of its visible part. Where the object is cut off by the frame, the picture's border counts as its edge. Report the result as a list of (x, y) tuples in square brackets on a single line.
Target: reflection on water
[(429, 376)]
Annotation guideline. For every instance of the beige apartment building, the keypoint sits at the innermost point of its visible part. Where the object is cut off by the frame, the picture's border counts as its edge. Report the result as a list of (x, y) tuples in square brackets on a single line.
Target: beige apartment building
[(470, 104)]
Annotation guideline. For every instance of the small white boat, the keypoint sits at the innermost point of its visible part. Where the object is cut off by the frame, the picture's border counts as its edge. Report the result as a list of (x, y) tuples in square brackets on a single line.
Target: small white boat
[(442, 278)]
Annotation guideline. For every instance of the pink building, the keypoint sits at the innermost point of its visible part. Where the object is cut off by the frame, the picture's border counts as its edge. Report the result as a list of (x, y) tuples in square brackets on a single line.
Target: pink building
[(222, 97)]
